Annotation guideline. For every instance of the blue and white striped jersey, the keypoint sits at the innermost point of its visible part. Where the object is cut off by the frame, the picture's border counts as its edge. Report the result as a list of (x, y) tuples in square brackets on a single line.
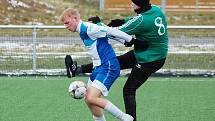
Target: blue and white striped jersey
[(95, 39)]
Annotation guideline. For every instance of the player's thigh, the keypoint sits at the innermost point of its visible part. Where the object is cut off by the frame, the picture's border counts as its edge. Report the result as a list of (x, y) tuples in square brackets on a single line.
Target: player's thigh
[(93, 92), (136, 78), (127, 60), (141, 72)]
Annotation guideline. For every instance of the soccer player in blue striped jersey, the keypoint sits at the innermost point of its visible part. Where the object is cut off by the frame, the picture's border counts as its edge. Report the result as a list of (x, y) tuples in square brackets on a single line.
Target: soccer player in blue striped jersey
[(149, 54), (105, 64)]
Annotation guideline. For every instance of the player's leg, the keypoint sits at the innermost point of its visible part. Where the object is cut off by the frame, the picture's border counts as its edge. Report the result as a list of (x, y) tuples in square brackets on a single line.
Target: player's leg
[(97, 112), (71, 66), (103, 77), (139, 74), (126, 61), (93, 99), (86, 68), (101, 118), (129, 90)]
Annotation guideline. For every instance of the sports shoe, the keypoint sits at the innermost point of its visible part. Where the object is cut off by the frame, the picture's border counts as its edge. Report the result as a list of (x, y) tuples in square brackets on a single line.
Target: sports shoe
[(71, 66), (127, 117)]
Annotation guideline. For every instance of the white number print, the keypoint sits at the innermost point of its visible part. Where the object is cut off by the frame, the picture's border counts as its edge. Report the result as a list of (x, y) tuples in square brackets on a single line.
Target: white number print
[(158, 23)]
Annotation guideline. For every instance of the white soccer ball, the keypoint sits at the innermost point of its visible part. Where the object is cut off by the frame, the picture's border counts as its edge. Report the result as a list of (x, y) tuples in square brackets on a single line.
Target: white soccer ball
[(77, 89)]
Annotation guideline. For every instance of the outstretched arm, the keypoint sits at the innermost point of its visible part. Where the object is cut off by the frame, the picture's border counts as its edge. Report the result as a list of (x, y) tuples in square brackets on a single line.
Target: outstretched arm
[(95, 31), (118, 35)]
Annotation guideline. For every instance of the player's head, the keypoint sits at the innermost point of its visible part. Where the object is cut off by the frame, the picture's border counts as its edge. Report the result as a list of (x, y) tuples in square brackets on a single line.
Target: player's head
[(141, 5), (71, 18)]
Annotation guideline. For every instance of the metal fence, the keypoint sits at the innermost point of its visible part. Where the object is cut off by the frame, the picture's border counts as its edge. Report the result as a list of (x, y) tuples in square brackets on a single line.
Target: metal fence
[(41, 50)]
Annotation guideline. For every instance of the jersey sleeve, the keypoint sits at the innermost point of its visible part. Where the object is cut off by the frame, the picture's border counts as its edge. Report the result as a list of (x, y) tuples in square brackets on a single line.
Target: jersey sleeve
[(118, 35), (132, 26), (94, 31)]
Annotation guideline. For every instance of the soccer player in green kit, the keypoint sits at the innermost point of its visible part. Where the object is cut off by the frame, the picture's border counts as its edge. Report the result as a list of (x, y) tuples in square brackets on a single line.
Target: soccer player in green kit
[(148, 56)]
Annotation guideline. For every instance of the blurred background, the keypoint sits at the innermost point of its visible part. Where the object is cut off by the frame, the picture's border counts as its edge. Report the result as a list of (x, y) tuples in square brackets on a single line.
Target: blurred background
[(34, 42)]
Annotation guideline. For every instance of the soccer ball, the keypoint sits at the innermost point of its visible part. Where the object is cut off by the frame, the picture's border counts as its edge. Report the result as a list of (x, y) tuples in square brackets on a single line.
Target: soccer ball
[(77, 89)]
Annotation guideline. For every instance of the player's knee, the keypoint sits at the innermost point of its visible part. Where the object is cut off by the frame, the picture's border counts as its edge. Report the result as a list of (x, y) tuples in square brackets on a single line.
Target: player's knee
[(128, 91), (89, 99)]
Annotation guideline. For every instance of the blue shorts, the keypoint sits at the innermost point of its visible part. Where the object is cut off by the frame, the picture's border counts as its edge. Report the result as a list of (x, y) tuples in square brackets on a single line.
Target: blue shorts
[(104, 75)]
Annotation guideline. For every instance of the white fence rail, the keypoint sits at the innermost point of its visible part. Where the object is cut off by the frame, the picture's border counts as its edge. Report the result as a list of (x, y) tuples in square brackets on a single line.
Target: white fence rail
[(37, 43)]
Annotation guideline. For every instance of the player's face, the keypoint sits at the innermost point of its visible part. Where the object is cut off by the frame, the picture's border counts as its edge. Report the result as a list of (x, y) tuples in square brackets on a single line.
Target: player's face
[(71, 23)]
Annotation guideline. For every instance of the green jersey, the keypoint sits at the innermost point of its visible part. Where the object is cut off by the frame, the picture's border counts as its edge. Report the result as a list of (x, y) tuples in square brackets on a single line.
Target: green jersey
[(150, 27)]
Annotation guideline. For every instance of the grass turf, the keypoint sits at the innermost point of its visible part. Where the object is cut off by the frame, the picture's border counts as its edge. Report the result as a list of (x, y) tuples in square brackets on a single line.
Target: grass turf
[(160, 99)]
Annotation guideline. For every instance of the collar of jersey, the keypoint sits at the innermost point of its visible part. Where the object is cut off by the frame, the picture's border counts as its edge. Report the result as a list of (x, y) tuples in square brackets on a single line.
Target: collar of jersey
[(78, 29)]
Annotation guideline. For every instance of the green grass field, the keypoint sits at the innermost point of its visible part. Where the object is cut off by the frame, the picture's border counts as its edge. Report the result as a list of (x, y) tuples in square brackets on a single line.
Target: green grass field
[(160, 99)]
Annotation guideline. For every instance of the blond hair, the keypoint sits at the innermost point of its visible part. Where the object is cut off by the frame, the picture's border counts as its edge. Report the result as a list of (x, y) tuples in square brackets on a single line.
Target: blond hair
[(68, 13)]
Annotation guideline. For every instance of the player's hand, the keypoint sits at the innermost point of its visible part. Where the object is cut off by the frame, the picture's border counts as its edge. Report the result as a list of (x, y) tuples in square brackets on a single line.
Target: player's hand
[(94, 19), (129, 44), (116, 22)]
